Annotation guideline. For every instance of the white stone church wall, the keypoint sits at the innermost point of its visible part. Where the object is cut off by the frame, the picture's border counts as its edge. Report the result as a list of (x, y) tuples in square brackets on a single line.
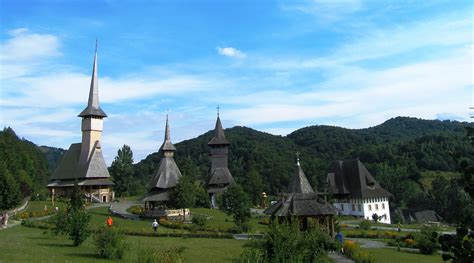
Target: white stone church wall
[(365, 208)]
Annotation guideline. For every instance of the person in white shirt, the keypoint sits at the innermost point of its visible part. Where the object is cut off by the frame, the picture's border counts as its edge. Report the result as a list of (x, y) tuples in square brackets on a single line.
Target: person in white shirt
[(155, 226)]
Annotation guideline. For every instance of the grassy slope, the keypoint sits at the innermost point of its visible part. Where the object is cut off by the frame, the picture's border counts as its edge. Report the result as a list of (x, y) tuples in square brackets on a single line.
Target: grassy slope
[(388, 255), (21, 244)]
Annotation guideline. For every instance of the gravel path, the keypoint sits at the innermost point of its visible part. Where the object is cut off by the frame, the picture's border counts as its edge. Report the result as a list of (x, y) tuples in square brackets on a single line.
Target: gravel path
[(120, 208)]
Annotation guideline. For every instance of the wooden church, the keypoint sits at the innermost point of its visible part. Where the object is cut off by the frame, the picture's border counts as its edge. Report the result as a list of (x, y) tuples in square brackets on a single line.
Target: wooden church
[(83, 163)]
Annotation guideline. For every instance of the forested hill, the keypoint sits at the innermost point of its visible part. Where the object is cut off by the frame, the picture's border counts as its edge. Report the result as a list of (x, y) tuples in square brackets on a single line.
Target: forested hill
[(53, 156), (396, 152), (23, 169)]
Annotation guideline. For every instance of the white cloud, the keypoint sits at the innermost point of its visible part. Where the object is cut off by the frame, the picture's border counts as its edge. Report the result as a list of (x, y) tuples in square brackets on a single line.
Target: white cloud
[(26, 46), (422, 89), (230, 52), (25, 51)]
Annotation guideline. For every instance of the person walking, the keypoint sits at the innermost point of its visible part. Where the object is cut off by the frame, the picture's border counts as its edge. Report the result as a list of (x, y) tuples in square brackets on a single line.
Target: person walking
[(109, 221), (5, 219), (340, 239), (155, 226)]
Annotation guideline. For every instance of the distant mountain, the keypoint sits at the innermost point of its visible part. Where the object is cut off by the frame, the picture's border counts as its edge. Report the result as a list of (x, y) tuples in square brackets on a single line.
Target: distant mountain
[(53, 156)]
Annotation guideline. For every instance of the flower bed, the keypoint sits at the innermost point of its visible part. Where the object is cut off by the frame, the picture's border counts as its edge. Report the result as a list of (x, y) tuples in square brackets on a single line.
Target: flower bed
[(372, 234), (352, 250)]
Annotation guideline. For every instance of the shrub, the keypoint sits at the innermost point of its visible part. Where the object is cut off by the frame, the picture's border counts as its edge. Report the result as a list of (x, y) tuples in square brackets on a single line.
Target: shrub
[(265, 221), (137, 210), (426, 241), (287, 243), (372, 234), (365, 225), (77, 222), (110, 243), (24, 215), (199, 220), (409, 242), (390, 234), (60, 223), (242, 228), (153, 255)]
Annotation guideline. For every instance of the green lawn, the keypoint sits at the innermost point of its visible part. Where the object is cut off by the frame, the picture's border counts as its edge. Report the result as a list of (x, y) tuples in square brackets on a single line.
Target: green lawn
[(223, 221), (22, 244), (99, 217), (38, 206), (388, 255)]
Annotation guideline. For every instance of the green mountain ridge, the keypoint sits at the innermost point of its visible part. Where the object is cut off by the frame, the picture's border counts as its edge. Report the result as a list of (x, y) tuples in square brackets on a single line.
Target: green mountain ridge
[(396, 150)]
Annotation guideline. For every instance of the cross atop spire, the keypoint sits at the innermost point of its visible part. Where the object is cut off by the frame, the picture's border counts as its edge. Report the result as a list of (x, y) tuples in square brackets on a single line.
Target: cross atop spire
[(218, 108), (93, 108)]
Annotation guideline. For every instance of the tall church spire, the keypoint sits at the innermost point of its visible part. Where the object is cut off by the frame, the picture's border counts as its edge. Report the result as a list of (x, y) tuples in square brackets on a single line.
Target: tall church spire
[(93, 108), (167, 145)]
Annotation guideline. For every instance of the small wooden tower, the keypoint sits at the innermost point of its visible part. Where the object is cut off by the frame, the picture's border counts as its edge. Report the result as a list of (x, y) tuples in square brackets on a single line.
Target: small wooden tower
[(165, 177), (220, 176)]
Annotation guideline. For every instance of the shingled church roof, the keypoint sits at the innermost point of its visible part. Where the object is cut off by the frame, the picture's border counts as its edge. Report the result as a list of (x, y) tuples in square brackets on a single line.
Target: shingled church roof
[(351, 179), (71, 168), (299, 183), (309, 204), (221, 176), (167, 175), (93, 108)]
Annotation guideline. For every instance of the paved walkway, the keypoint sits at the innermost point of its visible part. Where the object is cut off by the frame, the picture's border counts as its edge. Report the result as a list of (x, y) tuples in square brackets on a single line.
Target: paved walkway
[(370, 243), (11, 213), (339, 258), (120, 208)]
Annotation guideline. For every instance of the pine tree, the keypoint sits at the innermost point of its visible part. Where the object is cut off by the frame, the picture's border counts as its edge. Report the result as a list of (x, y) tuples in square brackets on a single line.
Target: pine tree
[(235, 202), (183, 195), (121, 171)]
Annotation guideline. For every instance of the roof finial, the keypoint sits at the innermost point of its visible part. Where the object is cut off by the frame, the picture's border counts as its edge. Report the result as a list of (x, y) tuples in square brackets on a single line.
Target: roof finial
[(218, 108), (298, 158), (96, 45)]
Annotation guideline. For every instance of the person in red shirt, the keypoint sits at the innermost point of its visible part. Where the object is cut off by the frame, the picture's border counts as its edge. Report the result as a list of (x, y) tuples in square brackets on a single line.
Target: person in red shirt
[(109, 221)]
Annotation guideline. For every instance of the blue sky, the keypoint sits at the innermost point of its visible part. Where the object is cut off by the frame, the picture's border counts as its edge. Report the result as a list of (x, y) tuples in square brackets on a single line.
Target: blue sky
[(274, 66)]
